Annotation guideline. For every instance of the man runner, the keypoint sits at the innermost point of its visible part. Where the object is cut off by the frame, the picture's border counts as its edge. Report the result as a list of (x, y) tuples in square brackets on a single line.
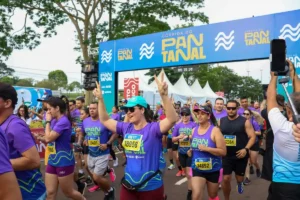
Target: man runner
[(239, 136), (24, 156), (96, 136)]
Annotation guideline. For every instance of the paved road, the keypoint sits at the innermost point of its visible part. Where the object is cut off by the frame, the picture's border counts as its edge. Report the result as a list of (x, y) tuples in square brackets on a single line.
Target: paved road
[(257, 190)]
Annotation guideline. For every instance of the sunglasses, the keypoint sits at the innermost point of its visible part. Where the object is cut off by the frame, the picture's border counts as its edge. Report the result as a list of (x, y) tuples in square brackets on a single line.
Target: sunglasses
[(185, 114), (246, 113), (231, 108), (131, 109)]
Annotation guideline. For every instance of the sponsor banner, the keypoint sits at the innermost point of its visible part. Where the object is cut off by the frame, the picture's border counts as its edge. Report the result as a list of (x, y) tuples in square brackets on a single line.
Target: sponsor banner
[(131, 87), (41, 146)]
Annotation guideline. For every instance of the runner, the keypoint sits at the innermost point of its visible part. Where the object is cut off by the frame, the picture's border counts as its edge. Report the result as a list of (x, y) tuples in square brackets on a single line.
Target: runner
[(172, 150), (219, 112), (61, 163), (142, 143), (8, 180), (253, 160), (97, 139), (24, 156), (208, 145), (181, 134), (76, 123), (240, 137), (116, 116), (244, 105)]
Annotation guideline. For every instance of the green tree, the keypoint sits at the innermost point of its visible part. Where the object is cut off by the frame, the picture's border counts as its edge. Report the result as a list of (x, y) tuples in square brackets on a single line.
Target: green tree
[(12, 80), (25, 82), (50, 84), (73, 85), (4, 69), (249, 87), (170, 73), (59, 78)]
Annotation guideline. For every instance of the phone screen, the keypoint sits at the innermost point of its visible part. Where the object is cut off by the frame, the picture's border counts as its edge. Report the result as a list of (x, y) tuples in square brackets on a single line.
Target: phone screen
[(278, 51)]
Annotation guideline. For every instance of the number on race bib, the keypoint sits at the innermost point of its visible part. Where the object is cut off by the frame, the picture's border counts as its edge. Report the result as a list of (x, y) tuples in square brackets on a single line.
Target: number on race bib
[(185, 143), (94, 143), (51, 149), (204, 165), (230, 140)]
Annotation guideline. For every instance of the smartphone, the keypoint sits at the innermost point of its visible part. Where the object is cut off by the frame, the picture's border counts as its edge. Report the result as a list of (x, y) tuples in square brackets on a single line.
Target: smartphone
[(278, 55)]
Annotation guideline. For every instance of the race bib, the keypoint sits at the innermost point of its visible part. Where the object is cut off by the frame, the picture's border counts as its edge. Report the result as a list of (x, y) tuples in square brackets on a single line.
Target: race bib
[(51, 148), (203, 164), (230, 140), (132, 142), (185, 143), (94, 143)]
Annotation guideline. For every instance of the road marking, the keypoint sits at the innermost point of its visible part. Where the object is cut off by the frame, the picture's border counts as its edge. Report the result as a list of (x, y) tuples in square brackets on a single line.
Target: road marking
[(181, 181), (119, 152)]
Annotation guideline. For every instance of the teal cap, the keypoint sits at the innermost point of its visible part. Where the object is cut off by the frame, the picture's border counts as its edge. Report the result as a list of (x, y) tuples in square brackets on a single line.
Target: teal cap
[(134, 101)]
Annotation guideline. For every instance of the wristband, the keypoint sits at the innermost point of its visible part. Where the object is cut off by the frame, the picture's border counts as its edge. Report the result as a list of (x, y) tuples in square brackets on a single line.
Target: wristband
[(48, 122)]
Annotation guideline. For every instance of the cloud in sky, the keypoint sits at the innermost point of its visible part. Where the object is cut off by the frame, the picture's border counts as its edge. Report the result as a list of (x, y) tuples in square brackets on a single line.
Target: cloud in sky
[(57, 52)]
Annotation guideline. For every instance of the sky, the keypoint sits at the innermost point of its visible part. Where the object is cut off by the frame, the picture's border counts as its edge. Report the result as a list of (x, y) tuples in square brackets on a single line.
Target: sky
[(57, 52)]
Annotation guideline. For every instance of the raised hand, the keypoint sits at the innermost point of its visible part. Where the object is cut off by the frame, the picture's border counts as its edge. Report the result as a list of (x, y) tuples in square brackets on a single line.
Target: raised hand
[(161, 85), (97, 91)]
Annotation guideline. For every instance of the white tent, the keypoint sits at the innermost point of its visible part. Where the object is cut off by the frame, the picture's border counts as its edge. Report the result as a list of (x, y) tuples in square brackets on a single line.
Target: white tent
[(208, 91), (196, 88), (183, 88)]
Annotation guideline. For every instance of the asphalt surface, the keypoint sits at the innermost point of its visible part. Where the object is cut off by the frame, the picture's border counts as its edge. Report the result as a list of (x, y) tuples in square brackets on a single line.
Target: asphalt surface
[(257, 190)]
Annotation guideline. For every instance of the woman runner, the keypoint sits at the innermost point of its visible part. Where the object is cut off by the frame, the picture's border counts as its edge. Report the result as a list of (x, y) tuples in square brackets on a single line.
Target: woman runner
[(248, 114), (142, 143), (61, 163), (208, 145)]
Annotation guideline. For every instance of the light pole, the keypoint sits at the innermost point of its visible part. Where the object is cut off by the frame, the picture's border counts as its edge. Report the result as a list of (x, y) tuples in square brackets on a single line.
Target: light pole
[(261, 75)]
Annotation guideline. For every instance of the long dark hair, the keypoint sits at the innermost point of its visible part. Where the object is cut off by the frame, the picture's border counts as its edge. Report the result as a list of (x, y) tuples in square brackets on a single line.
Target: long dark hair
[(63, 104), (26, 113), (147, 113)]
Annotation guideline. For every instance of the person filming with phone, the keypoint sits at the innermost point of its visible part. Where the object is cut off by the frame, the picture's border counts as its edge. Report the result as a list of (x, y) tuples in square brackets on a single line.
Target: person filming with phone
[(286, 150)]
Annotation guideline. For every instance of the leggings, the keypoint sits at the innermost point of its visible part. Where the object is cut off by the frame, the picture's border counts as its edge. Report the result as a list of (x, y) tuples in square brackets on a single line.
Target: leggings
[(112, 152)]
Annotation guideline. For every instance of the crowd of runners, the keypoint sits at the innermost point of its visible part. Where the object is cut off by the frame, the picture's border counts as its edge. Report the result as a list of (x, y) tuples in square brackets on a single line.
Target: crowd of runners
[(206, 143)]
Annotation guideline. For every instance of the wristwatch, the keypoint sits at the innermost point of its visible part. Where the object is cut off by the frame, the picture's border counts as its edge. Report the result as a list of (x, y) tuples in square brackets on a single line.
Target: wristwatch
[(109, 145), (247, 149), (48, 122)]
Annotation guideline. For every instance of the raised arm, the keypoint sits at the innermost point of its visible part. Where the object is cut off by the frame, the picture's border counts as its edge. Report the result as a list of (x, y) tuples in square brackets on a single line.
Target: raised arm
[(109, 123), (170, 120)]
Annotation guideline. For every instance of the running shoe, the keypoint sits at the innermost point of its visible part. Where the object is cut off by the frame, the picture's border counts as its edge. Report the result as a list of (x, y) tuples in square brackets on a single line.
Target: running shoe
[(81, 176), (82, 188), (258, 173), (112, 175), (94, 188), (251, 170), (247, 181), (116, 162), (179, 173), (110, 195), (240, 188), (183, 173), (171, 167)]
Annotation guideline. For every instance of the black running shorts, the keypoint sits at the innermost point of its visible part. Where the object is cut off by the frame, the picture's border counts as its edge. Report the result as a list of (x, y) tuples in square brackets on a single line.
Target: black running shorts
[(234, 164), (212, 177), (185, 160)]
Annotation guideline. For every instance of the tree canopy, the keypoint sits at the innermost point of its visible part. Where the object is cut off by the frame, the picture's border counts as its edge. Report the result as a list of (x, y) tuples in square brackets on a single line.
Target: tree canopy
[(59, 78)]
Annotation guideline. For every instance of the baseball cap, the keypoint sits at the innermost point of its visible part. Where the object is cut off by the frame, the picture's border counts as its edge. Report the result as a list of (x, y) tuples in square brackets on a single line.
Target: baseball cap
[(185, 110), (45, 98), (8, 92), (205, 109), (134, 101)]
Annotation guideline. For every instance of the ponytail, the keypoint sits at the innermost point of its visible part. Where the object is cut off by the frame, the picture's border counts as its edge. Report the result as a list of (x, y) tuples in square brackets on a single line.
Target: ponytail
[(67, 110)]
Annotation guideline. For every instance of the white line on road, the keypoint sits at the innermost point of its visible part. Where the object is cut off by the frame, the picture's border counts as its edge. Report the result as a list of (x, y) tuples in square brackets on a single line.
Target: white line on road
[(181, 181), (119, 152)]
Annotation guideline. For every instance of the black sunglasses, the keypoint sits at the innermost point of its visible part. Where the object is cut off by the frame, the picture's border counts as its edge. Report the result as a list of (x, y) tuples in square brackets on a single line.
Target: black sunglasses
[(246, 113), (131, 109), (231, 108)]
